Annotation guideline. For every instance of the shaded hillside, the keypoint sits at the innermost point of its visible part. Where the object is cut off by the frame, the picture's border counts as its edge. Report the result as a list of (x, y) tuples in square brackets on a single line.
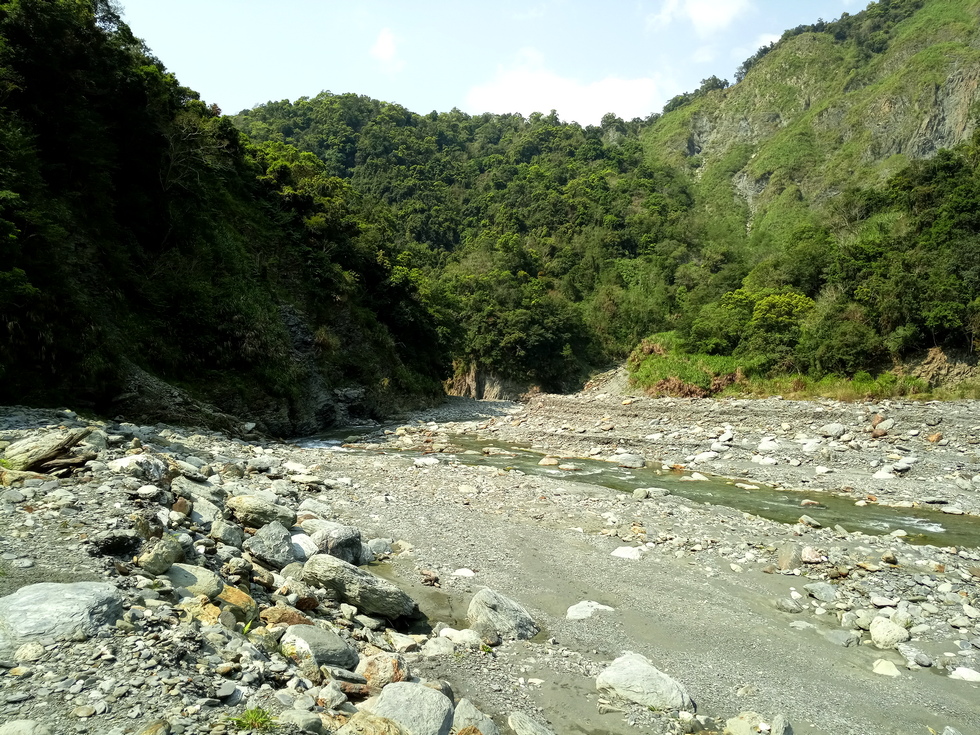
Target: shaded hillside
[(141, 232)]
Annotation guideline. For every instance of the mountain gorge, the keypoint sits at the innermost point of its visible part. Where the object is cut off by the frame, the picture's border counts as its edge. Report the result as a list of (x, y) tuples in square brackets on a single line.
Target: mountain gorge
[(304, 262)]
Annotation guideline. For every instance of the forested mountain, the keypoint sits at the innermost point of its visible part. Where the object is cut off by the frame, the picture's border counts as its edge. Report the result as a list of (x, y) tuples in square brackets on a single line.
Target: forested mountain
[(342, 253)]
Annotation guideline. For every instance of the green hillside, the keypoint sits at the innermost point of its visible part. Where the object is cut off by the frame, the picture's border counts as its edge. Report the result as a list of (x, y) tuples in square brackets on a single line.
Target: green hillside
[(305, 261)]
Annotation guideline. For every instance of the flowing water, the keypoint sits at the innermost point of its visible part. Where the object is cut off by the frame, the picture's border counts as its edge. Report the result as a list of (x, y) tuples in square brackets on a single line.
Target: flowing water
[(922, 526)]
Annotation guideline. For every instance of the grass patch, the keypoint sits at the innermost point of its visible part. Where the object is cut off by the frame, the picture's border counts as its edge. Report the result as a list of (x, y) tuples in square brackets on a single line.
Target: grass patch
[(255, 719)]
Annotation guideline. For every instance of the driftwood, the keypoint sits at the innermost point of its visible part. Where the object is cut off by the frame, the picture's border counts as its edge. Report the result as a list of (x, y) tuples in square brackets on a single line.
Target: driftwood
[(75, 460), (36, 450)]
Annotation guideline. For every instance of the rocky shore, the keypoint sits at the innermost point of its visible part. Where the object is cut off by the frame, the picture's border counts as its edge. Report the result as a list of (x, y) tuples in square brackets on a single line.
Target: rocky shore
[(162, 579)]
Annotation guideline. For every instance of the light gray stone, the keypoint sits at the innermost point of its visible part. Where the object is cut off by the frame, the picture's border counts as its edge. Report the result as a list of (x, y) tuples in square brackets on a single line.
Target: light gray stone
[(845, 638), (585, 609), (360, 588), (833, 431), (780, 726), (50, 610), (196, 580), (634, 678), (417, 709), (309, 644), (822, 591), (885, 634), (467, 715), (438, 646), (491, 615), (272, 545), (227, 533), (523, 724), (193, 491), (630, 461)]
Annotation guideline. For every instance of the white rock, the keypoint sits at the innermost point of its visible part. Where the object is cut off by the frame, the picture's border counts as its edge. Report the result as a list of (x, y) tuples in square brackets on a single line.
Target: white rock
[(633, 553), (585, 609), (426, 461), (464, 573), (964, 674), (885, 668), (886, 634)]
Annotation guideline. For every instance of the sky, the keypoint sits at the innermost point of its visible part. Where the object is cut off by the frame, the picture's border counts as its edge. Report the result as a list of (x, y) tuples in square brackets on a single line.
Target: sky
[(582, 58)]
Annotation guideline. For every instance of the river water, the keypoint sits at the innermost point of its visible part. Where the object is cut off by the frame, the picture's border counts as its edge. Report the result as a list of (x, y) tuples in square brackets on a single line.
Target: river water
[(922, 526)]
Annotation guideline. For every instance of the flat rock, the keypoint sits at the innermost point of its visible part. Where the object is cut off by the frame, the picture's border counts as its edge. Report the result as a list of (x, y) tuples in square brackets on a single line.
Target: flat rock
[(822, 591), (357, 587), (845, 638), (745, 723), (50, 610), (416, 708), (585, 609), (24, 727), (965, 674), (634, 678), (491, 614), (523, 724), (885, 667)]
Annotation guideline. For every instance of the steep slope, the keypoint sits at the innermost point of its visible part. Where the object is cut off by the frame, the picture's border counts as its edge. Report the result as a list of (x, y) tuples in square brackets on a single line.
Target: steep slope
[(845, 106)]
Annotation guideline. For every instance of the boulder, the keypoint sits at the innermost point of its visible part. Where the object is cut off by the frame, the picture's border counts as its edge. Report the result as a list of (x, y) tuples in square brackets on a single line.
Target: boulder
[(522, 724), (313, 647), (383, 669), (335, 539), (833, 431), (50, 610), (492, 615), (303, 720), (196, 580), (358, 587), (271, 545), (634, 678), (227, 533), (585, 609), (745, 723), (251, 510), (161, 556), (466, 715), (416, 708), (886, 634)]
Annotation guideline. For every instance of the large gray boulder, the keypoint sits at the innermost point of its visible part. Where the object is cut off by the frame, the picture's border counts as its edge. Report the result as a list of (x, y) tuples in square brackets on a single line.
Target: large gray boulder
[(358, 587), (416, 708), (272, 545), (492, 615), (50, 610), (467, 715), (634, 678), (313, 647), (194, 491), (251, 510)]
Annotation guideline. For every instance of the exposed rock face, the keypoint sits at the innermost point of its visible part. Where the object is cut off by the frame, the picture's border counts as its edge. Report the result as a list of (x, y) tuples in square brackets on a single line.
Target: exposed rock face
[(476, 383)]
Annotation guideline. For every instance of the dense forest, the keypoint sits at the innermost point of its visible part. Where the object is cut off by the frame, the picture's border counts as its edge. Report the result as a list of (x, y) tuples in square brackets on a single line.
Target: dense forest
[(336, 243)]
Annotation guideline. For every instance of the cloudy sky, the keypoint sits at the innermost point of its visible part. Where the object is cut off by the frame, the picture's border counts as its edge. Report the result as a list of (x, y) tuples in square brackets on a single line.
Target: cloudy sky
[(581, 58)]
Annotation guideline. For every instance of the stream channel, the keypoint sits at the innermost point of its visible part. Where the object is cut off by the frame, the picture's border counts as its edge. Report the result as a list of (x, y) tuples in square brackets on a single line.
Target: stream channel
[(777, 504)]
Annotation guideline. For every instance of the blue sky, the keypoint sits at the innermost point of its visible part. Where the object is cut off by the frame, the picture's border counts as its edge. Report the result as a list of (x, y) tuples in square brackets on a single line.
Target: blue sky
[(581, 58)]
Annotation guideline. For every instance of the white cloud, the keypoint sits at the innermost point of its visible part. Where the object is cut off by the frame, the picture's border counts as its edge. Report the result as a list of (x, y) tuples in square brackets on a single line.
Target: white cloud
[(527, 86), (741, 53), (707, 16), (704, 55), (385, 50)]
